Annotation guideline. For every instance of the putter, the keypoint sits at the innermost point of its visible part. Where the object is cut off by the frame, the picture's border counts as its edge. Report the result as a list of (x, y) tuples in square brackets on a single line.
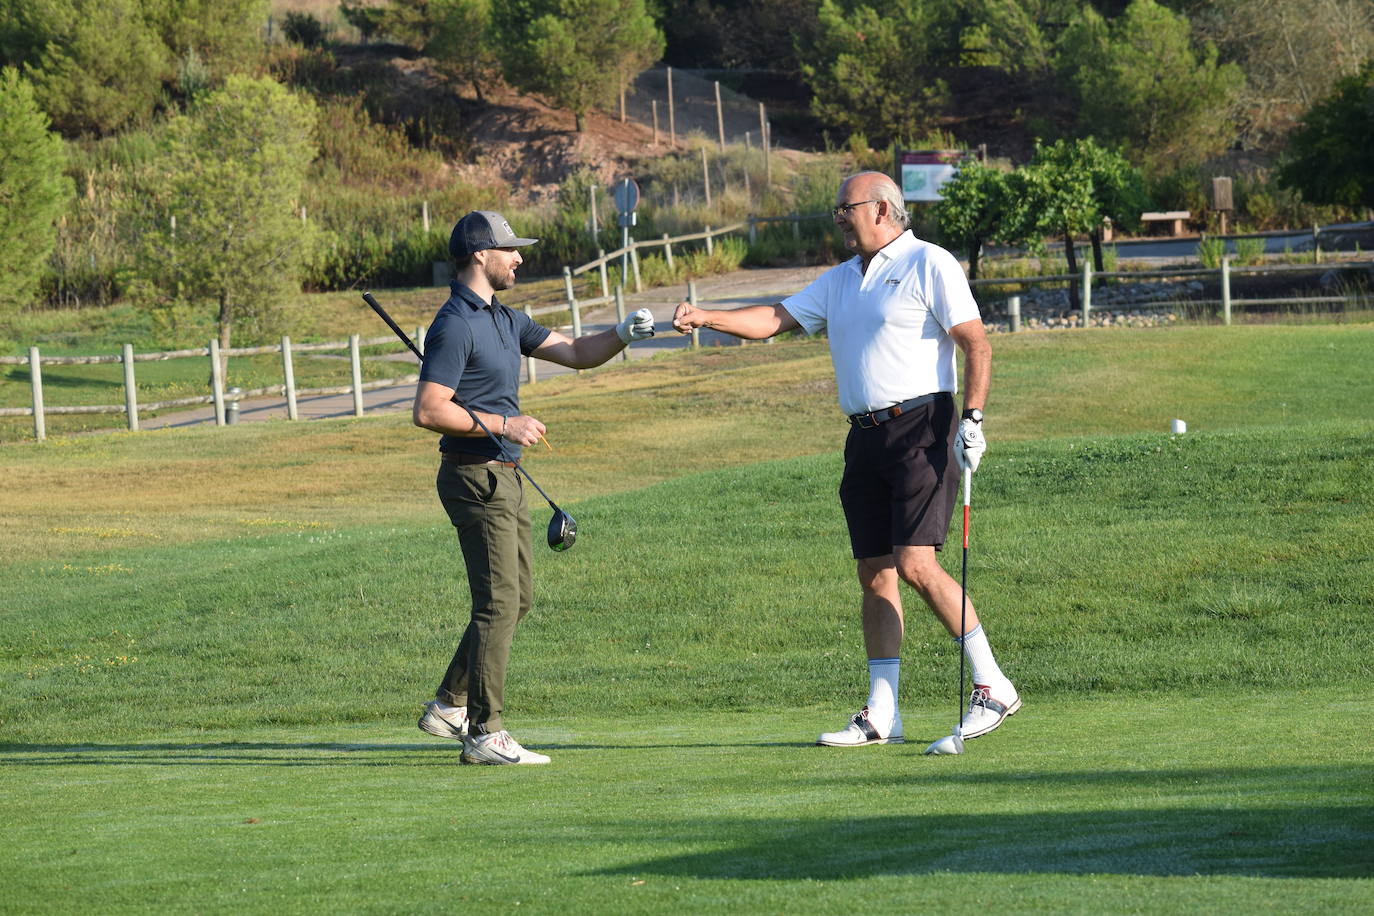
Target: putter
[(562, 531), (953, 743)]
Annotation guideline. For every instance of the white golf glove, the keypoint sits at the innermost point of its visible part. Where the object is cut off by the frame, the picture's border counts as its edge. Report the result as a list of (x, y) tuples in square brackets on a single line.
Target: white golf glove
[(637, 326), (970, 445)]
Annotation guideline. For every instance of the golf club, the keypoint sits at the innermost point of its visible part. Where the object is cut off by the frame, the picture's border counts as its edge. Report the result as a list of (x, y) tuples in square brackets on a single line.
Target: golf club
[(562, 531), (954, 743)]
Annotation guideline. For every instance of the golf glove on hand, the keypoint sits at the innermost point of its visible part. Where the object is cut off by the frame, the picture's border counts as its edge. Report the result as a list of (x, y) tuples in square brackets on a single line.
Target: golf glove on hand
[(970, 446), (637, 326)]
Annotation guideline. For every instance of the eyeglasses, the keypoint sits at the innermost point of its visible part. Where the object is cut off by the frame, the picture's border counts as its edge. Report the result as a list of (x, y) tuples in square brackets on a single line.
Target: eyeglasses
[(843, 209)]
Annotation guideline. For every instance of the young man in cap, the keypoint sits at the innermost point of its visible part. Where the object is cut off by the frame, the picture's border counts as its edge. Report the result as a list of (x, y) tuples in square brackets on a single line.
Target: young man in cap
[(471, 372), (894, 314)]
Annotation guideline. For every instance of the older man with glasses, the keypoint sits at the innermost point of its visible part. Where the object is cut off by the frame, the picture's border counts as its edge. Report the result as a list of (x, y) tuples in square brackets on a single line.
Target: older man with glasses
[(894, 314)]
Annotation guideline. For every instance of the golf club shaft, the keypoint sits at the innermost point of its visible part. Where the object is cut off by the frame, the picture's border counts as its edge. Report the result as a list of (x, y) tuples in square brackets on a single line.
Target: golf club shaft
[(963, 599), (381, 313)]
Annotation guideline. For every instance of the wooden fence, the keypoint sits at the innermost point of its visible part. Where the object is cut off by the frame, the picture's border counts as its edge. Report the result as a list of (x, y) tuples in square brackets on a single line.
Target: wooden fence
[(1223, 274), (225, 401)]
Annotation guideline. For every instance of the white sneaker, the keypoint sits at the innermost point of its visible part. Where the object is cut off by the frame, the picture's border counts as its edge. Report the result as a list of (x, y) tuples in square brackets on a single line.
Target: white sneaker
[(861, 731), (986, 712), (444, 725), (497, 748)]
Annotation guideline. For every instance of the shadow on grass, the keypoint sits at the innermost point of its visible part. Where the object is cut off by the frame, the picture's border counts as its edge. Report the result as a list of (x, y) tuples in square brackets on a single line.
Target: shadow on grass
[(55, 378), (1329, 841), (229, 753)]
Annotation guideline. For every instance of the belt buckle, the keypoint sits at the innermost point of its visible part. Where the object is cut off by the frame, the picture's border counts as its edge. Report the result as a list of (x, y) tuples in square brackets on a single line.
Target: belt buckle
[(866, 421)]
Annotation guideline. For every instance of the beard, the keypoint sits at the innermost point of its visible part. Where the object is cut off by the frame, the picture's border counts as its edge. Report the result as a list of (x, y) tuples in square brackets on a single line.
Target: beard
[(500, 277)]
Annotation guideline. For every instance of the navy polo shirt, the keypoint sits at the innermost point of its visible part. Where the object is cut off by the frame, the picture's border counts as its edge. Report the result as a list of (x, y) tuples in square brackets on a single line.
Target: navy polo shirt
[(475, 349)]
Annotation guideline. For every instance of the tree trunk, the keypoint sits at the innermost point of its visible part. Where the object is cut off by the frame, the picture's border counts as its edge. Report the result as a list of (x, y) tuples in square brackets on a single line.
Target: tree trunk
[(1072, 258), (975, 248), (1097, 249), (580, 121)]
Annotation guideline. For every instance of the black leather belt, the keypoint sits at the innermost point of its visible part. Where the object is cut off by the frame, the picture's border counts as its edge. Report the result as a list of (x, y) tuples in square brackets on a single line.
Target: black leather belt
[(879, 417), (468, 458)]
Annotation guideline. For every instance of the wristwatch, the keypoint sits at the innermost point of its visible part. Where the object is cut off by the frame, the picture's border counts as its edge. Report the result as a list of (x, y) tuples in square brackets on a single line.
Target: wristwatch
[(973, 414)]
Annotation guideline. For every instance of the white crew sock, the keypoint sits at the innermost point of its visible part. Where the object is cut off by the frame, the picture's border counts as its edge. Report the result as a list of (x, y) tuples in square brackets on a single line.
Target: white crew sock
[(985, 670), (883, 674), (444, 709)]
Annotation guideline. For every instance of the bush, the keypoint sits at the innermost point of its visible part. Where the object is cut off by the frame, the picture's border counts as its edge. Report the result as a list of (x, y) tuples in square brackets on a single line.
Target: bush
[(33, 190), (1210, 252), (304, 29)]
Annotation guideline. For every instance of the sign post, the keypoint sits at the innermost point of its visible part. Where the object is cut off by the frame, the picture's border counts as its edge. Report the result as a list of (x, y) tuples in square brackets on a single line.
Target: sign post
[(626, 195)]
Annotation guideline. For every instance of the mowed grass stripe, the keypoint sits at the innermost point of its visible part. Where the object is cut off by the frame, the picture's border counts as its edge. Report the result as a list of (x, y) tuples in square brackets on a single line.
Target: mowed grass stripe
[(1131, 564), (1172, 808)]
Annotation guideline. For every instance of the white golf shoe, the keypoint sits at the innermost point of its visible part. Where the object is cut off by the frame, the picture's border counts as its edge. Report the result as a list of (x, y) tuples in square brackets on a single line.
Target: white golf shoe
[(861, 731), (986, 712), (444, 725), (497, 748)]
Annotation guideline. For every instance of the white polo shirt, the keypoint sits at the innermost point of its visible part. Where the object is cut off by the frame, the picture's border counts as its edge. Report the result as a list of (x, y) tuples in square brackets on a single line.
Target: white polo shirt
[(889, 328)]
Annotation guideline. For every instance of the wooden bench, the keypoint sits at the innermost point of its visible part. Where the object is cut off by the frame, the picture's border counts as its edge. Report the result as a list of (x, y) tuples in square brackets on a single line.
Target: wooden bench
[(1176, 217)]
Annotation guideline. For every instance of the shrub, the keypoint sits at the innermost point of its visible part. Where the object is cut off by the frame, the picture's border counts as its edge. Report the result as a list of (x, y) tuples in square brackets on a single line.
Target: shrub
[(33, 190), (1210, 252)]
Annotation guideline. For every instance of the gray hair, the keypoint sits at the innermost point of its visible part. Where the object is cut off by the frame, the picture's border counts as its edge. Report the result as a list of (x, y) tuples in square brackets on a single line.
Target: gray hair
[(890, 194)]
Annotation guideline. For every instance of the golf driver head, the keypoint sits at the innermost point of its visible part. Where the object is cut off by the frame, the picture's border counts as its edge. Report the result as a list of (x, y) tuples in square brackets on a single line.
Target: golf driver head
[(562, 530), (949, 744)]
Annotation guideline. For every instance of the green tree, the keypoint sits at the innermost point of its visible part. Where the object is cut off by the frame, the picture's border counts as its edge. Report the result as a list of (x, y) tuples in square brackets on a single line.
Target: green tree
[(579, 53), (1142, 84), (1114, 189), (225, 34), (219, 224), (454, 33), (1017, 36), (33, 190), (1292, 51), (976, 207), (1329, 158), (96, 65), (871, 69)]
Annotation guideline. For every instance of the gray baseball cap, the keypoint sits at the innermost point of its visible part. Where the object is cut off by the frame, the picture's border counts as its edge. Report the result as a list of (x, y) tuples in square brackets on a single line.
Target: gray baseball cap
[(483, 229)]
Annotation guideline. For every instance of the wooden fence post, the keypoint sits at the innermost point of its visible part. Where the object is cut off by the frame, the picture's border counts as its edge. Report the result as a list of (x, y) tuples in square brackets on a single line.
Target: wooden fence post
[(40, 426), (619, 317), (705, 177), (763, 141), (130, 390), (1087, 289), (672, 124), (605, 284), (634, 266), (753, 229), (572, 301), (289, 378), (216, 382), (720, 118), (1014, 314), (653, 104), (1225, 290), (356, 364), (710, 248), (424, 214), (692, 298), (667, 251)]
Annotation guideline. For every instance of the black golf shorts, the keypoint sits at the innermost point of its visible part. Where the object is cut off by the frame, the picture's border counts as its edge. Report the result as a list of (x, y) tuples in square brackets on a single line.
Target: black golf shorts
[(901, 480)]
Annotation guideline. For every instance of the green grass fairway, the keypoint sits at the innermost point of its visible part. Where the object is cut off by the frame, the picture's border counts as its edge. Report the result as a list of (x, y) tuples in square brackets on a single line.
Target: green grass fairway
[(214, 646), (1168, 809)]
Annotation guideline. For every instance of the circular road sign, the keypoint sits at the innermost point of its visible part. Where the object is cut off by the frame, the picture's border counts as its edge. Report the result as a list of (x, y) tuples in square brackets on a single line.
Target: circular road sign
[(626, 194)]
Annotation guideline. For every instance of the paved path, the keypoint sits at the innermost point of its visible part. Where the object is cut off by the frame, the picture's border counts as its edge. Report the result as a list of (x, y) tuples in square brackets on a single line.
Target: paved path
[(743, 287)]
